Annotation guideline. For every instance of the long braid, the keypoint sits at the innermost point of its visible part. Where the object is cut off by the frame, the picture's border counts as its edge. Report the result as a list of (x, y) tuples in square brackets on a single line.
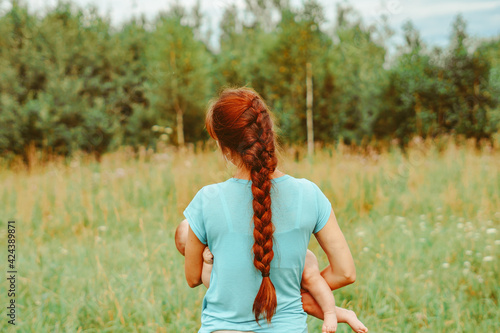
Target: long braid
[(262, 161), (240, 121)]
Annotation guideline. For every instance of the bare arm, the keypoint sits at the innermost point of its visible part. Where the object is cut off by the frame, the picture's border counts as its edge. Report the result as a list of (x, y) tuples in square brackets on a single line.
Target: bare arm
[(332, 241), (341, 270), (193, 263)]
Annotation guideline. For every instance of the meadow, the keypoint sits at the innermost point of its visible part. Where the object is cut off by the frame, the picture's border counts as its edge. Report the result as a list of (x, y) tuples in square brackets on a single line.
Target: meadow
[(95, 250)]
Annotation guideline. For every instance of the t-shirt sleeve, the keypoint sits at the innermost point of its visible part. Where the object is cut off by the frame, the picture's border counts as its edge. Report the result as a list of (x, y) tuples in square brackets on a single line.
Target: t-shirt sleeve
[(194, 216), (324, 208)]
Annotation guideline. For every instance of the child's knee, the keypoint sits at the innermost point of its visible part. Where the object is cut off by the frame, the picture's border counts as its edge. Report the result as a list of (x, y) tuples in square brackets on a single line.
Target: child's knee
[(311, 269)]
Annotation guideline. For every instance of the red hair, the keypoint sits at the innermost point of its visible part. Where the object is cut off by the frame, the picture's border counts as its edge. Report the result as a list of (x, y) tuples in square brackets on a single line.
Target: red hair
[(241, 122)]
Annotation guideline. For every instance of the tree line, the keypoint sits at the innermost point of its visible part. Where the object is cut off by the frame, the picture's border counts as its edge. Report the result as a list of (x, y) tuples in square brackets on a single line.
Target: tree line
[(70, 80)]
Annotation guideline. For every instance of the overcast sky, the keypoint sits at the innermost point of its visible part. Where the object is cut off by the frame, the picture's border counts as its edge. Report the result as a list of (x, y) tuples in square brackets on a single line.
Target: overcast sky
[(433, 18)]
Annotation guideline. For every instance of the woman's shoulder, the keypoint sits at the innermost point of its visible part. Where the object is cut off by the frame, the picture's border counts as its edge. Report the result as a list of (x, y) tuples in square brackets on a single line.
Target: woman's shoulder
[(306, 184)]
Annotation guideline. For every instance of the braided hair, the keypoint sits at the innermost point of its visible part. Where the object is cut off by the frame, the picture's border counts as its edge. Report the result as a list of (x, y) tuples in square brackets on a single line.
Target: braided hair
[(240, 121)]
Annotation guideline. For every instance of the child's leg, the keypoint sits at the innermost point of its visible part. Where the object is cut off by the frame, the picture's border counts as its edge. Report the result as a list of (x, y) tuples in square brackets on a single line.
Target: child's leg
[(208, 260), (309, 278), (314, 283), (350, 318)]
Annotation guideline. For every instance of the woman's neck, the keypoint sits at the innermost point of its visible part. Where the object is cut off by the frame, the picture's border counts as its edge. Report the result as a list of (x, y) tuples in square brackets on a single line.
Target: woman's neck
[(243, 173)]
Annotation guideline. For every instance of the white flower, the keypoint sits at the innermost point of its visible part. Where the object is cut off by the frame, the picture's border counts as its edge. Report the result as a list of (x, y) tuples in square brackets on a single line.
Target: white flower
[(120, 173), (465, 271), (102, 228), (488, 258), (480, 279), (460, 225), (497, 242), (155, 128), (360, 233), (366, 249), (491, 231), (467, 264), (445, 265), (400, 219), (468, 252)]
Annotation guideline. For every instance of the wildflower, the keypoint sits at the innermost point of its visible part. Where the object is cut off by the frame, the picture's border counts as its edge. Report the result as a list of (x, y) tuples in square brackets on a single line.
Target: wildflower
[(497, 242), (155, 128), (439, 217), (460, 225), (366, 249), (468, 252), (168, 130), (64, 251), (491, 231), (488, 258), (360, 233), (445, 265), (465, 271), (120, 173), (422, 240), (467, 264), (422, 217), (102, 228), (480, 279), (400, 219)]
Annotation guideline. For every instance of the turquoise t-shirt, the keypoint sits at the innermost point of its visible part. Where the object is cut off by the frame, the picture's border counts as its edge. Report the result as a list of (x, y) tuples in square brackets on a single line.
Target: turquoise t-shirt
[(220, 215)]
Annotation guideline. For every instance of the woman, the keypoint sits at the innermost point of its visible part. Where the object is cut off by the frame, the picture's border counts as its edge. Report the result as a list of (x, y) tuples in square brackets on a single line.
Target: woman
[(258, 225)]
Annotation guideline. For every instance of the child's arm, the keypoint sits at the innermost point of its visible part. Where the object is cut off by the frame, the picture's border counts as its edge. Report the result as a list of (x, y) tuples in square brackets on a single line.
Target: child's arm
[(208, 260)]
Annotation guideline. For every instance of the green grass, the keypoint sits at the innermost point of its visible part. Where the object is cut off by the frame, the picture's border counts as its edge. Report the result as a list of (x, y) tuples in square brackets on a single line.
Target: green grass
[(95, 250)]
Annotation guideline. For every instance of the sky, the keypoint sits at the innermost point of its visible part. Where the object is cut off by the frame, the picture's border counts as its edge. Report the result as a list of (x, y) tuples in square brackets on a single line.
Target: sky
[(433, 18)]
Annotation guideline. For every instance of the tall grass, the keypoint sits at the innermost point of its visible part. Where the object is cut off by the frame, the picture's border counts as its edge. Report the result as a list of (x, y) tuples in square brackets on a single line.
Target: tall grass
[(96, 252)]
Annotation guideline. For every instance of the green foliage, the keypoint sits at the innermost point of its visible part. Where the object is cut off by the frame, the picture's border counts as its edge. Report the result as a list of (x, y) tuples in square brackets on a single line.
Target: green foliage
[(71, 81), (97, 253)]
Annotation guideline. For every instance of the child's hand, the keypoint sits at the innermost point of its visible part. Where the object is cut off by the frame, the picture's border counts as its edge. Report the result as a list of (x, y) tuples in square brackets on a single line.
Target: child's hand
[(329, 323), (208, 257)]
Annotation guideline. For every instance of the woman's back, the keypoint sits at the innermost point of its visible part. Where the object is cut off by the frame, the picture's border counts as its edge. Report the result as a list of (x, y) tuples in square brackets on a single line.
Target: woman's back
[(221, 216)]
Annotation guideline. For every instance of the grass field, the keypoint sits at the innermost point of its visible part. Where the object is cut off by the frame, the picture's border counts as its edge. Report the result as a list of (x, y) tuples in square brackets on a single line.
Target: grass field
[(95, 249)]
